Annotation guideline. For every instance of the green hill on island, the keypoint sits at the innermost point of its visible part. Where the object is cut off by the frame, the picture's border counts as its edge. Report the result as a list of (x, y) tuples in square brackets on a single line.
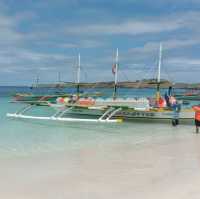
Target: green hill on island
[(145, 83)]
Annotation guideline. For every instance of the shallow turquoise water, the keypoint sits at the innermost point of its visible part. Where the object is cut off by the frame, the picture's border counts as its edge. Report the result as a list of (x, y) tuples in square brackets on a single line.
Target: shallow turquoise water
[(25, 138)]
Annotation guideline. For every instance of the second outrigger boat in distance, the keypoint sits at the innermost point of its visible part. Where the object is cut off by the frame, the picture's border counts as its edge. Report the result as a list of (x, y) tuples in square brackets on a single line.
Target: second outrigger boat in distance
[(43, 99), (77, 108), (188, 96)]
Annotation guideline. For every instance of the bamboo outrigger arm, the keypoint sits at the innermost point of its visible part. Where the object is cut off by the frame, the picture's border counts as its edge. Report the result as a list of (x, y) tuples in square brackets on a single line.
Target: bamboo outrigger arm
[(105, 118)]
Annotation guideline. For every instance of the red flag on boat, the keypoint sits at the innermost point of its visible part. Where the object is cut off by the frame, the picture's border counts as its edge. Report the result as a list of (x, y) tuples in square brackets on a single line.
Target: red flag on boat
[(113, 69)]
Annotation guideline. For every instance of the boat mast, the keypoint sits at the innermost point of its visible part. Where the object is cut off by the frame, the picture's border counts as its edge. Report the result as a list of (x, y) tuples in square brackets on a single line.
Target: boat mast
[(78, 76), (116, 74), (59, 77), (158, 75), (37, 80)]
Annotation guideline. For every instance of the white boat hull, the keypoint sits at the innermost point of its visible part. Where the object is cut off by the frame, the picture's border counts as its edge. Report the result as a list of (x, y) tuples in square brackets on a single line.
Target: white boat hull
[(131, 114)]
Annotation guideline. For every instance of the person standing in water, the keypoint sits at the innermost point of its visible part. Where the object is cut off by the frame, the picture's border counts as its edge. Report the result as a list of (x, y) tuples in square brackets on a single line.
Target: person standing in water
[(197, 117), (176, 112)]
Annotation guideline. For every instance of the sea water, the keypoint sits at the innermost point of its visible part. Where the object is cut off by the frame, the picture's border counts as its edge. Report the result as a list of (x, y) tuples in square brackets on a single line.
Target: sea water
[(27, 137)]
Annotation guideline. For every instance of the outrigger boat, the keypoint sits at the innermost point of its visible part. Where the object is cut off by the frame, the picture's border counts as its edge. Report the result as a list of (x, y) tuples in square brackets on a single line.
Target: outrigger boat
[(44, 99), (36, 98), (128, 109), (79, 109), (61, 113), (188, 96)]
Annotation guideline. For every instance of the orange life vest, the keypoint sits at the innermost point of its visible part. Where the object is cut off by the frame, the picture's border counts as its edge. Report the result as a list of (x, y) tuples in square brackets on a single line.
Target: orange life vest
[(86, 102), (197, 112), (60, 100), (161, 103)]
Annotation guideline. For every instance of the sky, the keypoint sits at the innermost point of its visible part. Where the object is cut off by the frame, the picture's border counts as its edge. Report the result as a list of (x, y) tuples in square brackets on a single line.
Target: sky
[(44, 37)]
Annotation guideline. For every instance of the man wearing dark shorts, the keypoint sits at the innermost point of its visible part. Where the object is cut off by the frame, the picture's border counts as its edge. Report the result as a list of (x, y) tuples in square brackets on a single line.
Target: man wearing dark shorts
[(197, 117), (176, 112)]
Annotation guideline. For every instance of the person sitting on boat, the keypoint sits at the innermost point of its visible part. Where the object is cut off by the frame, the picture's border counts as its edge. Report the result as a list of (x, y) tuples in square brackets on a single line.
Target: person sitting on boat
[(172, 101), (73, 99), (197, 117), (152, 102), (161, 103), (167, 99), (170, 91)]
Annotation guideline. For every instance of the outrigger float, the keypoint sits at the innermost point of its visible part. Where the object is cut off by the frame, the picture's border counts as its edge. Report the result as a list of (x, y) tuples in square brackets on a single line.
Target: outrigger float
[(106, 117)]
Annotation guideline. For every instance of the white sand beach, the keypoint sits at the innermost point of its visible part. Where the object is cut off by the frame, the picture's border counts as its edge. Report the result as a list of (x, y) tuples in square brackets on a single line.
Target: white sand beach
[(167, 168)]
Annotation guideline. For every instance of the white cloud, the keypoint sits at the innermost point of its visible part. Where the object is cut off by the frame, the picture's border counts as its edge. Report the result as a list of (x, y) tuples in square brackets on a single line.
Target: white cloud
[(8, 33), (151, 47), (131, 27), (161, 24), (84, 43), (182, 61)]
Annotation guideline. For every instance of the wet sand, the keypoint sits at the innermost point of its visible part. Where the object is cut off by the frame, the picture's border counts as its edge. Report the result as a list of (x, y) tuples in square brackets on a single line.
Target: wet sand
[(166, 168)]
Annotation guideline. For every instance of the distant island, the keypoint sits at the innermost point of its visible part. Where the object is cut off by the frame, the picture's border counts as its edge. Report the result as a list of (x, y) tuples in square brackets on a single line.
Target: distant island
[(145, 83)]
